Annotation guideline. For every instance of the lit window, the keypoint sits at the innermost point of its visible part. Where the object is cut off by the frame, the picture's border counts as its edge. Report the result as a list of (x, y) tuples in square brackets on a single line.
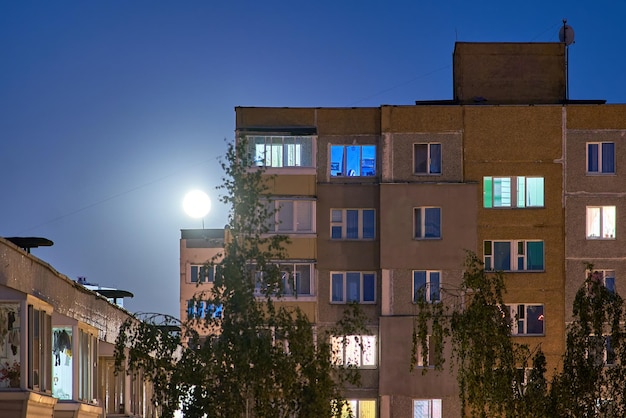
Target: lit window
[(199, 309), (605, 277), (352, 160), (353, 286), (426, 285), (352, 223), (281, 151), (427, 408), (87, 358), (40, 349), (600, 222), (527, 319), (11, 364), (427, 222), (600, 157), (427, 158), (291, 216), (427, 359), (354, 350), (360, 408), (514, 255), (513, 192)]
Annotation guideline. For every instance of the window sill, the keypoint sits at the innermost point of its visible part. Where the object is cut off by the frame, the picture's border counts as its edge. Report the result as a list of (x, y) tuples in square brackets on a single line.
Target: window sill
[(428, 174), (515, 271), (600, 239), (427, 238), (592, 174)]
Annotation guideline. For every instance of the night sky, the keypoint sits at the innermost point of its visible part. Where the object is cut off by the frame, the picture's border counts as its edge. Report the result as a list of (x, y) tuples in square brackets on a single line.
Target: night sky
[(110, 111)]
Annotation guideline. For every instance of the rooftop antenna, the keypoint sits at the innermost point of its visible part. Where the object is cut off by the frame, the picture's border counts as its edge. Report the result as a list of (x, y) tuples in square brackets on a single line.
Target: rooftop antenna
[(566, 35)]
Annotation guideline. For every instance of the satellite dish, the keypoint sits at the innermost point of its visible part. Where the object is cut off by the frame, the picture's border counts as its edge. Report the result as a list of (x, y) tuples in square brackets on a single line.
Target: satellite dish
[(566, 34)]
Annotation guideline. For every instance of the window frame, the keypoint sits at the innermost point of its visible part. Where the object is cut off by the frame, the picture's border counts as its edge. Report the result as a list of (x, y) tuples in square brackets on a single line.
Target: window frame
[(210, 270), (602, 275), (367, 346), (420, 232), (601, 222), (429, 159), (342, 224), (428, 295), (281, 265), (514, 309), (356, 406), (434, 406), (275, 207), (345, 171), (514, 255), (280, 143), (519, 196), (609, 356), (420, 361), (344, 287), (599, 158)]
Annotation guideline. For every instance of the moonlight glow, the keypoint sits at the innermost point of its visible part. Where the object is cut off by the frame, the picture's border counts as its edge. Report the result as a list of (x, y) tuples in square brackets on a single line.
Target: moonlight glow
[(196, 204)]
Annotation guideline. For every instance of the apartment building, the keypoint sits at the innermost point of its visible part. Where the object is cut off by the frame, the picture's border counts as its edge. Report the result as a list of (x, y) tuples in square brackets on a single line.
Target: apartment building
[(381, 202)]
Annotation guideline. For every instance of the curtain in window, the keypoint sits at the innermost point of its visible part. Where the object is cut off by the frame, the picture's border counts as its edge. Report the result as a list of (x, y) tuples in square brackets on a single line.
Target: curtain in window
[(337, 287), (592, 158), (352, 224), (353, 161), (303, 279), (304, 214), (608, 222), (285, 215), (487, 192), (353, 287), (336, 161), (593, 222), (608, 157), (534, 255), (435, 158)]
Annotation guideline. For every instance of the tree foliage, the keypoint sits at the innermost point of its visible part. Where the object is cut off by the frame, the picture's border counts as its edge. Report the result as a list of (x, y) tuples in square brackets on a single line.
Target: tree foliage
[(253, 355), (498, 376)]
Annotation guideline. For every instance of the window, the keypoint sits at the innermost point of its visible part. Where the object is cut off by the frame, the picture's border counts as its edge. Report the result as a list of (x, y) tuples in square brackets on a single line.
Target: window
[(291, 216), (600, 158), (354, 350), (87, 360), (360, 408), (606, 277), (427, 408), (352, 160), (522, 377), (601, 350), (513, 192), (199, 309), (427, 158), (281, 151), (11, 364), (427, 222), (353, 286), (203, 273), (526, 319), (600, 222), (352, 223), (296, 279), (39, 349), (427, 359), (426, 285), (516, 255)]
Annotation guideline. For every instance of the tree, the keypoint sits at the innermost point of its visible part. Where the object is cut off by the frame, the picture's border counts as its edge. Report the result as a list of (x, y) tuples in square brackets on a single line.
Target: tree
[(500, 377), (256, 356)]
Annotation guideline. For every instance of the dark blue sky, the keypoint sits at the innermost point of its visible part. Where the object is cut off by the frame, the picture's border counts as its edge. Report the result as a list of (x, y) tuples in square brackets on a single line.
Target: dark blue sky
[(110, 111)]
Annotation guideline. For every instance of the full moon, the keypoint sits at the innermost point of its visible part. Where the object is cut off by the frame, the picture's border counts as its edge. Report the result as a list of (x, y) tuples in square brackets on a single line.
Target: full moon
[(196, 204)]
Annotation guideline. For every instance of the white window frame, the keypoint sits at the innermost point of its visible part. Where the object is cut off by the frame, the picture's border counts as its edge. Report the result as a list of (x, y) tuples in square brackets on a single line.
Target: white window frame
[(209, 271), (87, 361), (277, 205), (515, 256), (421, 234), (356, 407), (429, 159), (605, 351), (39, 361), (345, 158), (344, 283), (599, 227), (339, 219), (421, 361), (518, 321), (293, 265), (285, 151), (359, 351), (427, 293), (434, 408), (517, 193), (600, 158)]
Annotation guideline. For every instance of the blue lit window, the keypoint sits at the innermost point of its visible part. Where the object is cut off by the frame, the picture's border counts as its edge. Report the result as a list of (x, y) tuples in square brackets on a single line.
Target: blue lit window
[(352, 160)]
